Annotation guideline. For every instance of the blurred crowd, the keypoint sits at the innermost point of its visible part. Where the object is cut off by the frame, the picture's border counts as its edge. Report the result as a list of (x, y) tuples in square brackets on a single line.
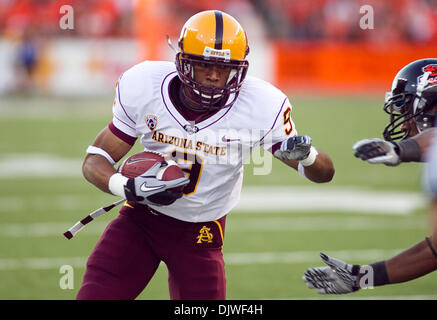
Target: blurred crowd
[(32, 24), (41, 17), (100, 18), (333, 20), (339, 20)]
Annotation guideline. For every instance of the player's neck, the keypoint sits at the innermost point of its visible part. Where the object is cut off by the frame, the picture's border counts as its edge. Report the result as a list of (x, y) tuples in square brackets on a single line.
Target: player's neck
[(188, 102), (183, 105)]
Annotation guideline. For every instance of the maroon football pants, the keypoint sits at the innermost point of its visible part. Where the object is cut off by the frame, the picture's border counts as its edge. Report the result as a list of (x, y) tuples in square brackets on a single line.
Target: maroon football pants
[(132, 246)]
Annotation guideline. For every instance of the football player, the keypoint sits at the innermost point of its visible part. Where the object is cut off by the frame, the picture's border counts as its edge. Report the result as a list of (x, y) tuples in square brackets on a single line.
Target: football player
[(412, 105), (205, 113)]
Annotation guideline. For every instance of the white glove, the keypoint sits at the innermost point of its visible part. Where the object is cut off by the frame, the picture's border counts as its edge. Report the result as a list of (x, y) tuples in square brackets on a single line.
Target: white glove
[(377, 151), (337, 278)]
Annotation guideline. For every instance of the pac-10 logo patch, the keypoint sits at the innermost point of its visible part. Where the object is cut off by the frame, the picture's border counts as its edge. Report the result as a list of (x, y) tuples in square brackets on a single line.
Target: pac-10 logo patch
[(151, 121)]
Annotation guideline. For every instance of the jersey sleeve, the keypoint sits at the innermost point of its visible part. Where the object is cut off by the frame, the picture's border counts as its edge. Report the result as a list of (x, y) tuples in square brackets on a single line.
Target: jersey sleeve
[(282, 128), (124, 118)]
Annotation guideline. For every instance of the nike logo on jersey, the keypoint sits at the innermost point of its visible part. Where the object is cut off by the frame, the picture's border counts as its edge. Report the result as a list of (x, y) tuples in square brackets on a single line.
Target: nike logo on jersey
[(224, 139), (145, 188)]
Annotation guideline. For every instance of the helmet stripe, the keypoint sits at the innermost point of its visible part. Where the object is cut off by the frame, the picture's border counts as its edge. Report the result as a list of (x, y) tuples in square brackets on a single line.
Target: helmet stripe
[(218, 30)]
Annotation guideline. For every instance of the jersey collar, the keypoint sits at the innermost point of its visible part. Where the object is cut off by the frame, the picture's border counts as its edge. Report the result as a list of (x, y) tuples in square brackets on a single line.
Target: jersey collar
[(179, 118)]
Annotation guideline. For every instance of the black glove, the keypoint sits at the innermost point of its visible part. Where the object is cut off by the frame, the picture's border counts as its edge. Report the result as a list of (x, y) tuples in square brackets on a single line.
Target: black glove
[(294, 148), (147, 189)]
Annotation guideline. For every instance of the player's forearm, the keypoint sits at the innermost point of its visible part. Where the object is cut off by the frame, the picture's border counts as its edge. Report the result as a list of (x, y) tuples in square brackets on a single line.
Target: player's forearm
[(424, 141), (322, 170), (97, 170), (416, 261), (412, 263)]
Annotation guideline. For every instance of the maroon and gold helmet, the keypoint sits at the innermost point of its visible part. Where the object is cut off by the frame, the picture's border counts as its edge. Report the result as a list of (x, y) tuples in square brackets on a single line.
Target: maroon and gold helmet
[(212, 38)]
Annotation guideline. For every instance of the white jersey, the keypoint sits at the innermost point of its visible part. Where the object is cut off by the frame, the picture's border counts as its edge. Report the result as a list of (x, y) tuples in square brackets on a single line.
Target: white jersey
[(429, 175), (213, 151)]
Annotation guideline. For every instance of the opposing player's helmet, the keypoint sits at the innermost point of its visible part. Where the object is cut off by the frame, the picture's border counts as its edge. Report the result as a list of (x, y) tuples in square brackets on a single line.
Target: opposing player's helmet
[(212, 38), (413, 97)]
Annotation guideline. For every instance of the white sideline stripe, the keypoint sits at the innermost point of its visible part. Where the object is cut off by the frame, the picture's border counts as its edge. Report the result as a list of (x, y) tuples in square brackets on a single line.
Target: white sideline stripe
[(268, 224), (15, 165), (329, 199), (257, 200), (230, 259)]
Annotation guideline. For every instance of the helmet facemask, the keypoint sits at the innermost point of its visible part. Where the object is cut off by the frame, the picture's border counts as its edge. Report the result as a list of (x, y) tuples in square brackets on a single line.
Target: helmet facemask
[(210, 97), (399, 105), (400, 109)]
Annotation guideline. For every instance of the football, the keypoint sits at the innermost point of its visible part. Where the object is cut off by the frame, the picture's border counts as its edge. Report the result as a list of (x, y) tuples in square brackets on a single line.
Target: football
[(138, 163)]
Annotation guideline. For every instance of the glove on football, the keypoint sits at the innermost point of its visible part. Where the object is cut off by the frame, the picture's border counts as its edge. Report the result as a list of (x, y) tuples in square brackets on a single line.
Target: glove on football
[(294, 148), (337, 278), (377, 151), (147, 189)]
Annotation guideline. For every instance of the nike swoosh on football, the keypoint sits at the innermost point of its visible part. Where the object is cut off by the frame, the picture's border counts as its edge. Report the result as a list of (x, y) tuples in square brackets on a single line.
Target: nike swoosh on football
[(224, 139), (139, 159), (145, 188)]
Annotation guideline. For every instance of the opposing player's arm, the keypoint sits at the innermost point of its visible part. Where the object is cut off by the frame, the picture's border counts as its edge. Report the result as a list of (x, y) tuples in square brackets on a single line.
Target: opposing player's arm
[(339, 277), (97, 168), (413, 149), (421, 258), (424, 140), (412, 263)]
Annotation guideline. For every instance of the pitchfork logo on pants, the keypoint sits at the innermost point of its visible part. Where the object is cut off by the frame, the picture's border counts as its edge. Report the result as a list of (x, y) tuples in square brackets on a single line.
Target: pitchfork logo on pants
[(204, 235)]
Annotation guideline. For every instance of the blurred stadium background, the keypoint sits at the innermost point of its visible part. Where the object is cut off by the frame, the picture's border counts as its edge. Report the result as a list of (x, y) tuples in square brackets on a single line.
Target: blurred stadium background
[(56, 92)]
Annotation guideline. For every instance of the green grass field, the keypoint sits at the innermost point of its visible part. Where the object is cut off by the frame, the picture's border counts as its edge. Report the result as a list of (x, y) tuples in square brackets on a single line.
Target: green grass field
[(266, 253)]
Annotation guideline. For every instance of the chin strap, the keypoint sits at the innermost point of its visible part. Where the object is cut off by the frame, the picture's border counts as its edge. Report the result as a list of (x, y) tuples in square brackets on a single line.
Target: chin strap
[(195, 106)]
